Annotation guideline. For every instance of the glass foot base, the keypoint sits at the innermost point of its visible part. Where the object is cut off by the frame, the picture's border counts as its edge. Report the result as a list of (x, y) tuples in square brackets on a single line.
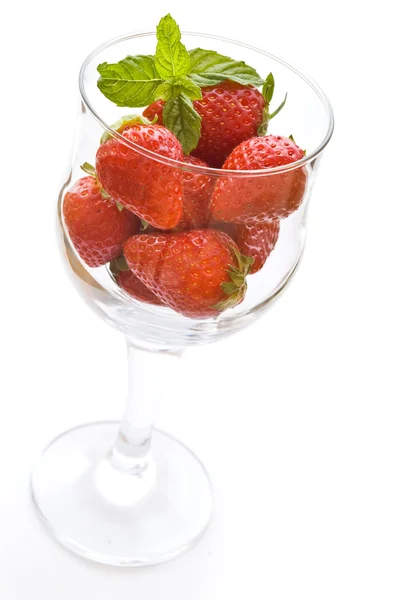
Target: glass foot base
[(112, 516)]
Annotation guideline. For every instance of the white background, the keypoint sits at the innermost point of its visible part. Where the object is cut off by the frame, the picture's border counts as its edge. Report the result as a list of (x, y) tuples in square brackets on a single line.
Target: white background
[(297, 418)]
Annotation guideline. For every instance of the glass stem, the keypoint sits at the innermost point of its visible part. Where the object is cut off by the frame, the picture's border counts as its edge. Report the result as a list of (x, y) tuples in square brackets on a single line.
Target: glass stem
[(149, 374)]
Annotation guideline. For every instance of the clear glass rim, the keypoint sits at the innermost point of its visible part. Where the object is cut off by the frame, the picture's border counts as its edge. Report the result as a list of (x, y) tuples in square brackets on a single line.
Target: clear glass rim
[(195, 168)]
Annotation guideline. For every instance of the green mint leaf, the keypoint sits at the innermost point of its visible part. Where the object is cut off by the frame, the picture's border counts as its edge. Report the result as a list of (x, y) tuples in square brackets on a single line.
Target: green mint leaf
[(190, 89), (172, 59), (167, 90), (180, 117), (130, 82), (180, 85), (207, 67), (124, 122), (119, 206), (278, 110), (268, 88)]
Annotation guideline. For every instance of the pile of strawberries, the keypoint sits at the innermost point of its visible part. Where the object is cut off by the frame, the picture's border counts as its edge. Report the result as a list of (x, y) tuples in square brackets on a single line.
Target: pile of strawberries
[(177, 235)]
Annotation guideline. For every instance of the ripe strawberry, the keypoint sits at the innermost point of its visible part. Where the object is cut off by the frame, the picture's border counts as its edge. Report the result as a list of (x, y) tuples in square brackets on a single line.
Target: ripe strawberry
[(131, 284), (262, 197), (96, 227), (197, 190), (155, 109), (145, 186), (230, 113), (253, 239), (197, 273)]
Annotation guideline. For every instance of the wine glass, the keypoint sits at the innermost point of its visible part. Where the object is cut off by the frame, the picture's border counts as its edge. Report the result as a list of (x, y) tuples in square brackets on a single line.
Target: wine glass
[(128, 494)]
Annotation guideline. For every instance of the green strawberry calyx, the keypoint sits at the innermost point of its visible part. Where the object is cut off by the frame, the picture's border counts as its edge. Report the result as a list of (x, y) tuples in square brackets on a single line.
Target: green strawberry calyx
[(90, 170), (235, 289), (118, 264), (268, 92), (126, 121), (175, 75), (144, 225), (294, 142)]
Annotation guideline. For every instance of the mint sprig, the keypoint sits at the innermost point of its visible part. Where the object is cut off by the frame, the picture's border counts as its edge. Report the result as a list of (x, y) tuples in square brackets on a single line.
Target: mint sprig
[(173, 64), (176, 76)]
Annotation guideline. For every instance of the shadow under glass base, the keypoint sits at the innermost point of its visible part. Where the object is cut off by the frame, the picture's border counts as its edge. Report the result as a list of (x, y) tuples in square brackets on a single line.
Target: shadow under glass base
[(115, 517)]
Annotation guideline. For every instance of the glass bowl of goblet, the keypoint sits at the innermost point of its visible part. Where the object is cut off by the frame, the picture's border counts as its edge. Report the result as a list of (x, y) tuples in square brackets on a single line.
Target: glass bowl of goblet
[(126, 493)]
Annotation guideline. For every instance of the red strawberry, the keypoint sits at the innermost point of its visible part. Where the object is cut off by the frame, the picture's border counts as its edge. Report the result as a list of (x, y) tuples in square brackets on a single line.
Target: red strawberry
[(131, 284), (254, 239), (197, 273), (197, 190), (261, 197), (145, 186), (96, 227), (154, 110), (230, 113)]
